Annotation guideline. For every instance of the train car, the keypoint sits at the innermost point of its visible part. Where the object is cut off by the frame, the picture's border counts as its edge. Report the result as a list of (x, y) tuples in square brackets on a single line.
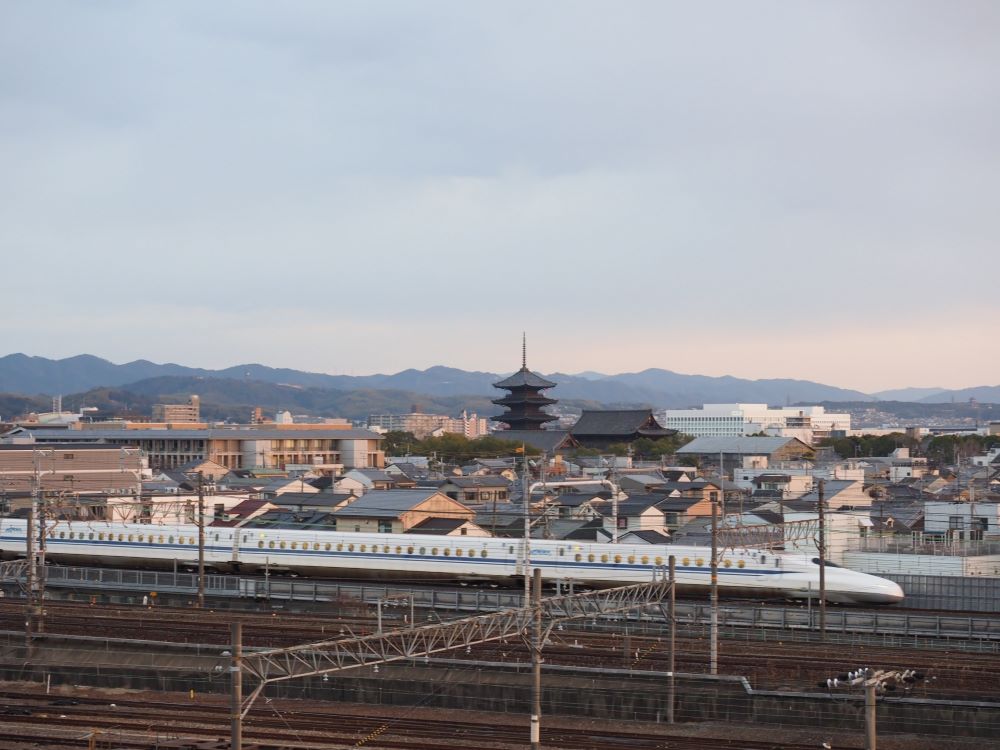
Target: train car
[(406, 557)]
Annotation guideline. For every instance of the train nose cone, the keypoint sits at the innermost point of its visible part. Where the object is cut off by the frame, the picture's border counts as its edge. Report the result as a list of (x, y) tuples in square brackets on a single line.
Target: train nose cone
[(894, 592)]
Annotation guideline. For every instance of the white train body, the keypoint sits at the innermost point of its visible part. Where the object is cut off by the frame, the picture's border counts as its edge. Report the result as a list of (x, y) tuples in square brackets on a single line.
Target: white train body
[(401, 557)]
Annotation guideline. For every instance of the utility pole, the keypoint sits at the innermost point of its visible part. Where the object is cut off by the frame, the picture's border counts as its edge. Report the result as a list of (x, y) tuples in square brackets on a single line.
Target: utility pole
[(820, 504), (29, 610), (614, 501), (525, 501), (672, 616), (536, 664), (714, 626), (201, 541), (236, 687)]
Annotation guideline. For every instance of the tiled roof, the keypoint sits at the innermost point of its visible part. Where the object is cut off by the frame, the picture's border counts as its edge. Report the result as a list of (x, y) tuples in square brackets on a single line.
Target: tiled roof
[(617, 422), (524, 377)]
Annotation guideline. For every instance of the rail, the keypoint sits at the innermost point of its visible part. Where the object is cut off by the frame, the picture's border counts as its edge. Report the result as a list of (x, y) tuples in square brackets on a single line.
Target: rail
[(477, 601)]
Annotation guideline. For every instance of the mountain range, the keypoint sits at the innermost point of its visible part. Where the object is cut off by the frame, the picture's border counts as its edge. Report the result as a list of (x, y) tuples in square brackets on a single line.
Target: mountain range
[(438, 387)]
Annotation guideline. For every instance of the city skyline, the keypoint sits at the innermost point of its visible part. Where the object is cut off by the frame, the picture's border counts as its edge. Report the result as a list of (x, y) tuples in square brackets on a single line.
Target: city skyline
[(760, 190)]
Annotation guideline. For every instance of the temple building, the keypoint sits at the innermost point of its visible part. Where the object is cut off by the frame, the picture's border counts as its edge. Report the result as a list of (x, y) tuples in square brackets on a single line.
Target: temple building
[(525, 401)]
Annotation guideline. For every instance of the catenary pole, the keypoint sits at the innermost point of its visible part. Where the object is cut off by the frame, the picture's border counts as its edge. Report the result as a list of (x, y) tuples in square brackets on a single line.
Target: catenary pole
[(821, 503), (236, 687), (201, 540), (672, 612), (536, 663), (714, 626)]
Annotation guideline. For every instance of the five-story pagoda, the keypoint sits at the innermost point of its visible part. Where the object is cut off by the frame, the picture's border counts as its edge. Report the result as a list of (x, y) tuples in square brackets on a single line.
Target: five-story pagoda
[(524, 402)]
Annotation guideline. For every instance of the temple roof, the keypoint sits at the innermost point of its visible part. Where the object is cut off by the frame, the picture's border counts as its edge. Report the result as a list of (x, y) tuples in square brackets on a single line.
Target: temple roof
[(619, 422), (524, 378)]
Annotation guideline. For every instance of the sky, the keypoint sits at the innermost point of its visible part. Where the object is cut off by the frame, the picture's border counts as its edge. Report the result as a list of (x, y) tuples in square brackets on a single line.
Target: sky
[(759, 189)]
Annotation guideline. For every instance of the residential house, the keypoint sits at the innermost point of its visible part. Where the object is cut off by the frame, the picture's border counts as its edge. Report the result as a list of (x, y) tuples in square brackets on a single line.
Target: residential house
[(634, 514), (477, 489), (745, 452), (448, 527), (397, 511)]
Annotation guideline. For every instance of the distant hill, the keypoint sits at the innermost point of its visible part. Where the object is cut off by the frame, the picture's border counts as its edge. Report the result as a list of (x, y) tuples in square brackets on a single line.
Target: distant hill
[(909, 394), (984, 394), (20, 373)]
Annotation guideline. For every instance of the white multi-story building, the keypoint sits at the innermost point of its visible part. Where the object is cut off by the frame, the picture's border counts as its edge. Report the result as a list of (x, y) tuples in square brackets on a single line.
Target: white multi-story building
[(808, 423)]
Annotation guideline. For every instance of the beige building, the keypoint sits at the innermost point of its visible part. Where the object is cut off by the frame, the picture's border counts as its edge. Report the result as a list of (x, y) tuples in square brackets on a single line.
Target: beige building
[(70, 468), (237, 447), (189, 412), (426, 425)]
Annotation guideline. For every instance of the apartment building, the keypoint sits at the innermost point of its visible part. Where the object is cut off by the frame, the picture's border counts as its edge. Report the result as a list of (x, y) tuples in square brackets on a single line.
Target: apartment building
[(70, 467), (234, 447), (426, 425), (189, 412)]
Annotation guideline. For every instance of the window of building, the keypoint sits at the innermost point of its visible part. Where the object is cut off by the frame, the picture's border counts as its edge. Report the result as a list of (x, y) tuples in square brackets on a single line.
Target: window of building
[(384, 527)]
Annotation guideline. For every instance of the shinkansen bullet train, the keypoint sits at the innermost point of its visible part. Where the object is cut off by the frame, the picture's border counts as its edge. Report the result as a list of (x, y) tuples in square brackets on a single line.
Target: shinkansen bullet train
[(398, 557)]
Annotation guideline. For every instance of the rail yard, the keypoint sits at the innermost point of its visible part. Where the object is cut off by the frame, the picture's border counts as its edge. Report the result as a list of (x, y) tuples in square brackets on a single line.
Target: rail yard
[(114, 670)]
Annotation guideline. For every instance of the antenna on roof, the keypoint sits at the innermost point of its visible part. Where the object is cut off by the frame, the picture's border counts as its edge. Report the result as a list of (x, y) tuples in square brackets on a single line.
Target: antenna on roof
[(524, 351)]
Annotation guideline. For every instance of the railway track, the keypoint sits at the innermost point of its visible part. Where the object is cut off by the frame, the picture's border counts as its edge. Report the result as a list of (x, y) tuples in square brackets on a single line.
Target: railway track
[(44, 721), (770, 664)]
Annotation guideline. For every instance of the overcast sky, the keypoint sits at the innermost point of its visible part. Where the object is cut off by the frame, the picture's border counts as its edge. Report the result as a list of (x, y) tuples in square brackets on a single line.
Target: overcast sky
[(761, 189)]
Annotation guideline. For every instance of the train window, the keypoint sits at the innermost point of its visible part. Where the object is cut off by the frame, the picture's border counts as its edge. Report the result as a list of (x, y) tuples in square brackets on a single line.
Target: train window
[(409, 550), (561, 552), (260, 544), (659, 561), (483, 553), (826, 563), (350, 548), (295, 545), (216, 537), (472, 553), (340, 548), (645, 559), (590, 557), (727, 563), (171, 539), (271, 544), (434, 550), (604, 558), (777, 561), (327, 546), (423, 550), (447, 552), (631, 559), (316, 546), (399, 550), (763, 559), (578, 557), (281, 544), (686, 561), (364, 547), (100, 536), (161, 538), (121, 537), (618, 558), (62, 534), (510, 550), (700, 561), (142, 537), (131, 537), (191, 540), (740, 563)]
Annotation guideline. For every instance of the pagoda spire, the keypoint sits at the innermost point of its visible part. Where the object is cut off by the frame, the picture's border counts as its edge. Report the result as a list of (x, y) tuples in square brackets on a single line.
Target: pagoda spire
[(524, 350)]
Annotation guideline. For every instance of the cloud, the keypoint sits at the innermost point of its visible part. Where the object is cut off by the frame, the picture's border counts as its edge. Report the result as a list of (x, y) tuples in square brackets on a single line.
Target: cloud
[(664, 172)]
